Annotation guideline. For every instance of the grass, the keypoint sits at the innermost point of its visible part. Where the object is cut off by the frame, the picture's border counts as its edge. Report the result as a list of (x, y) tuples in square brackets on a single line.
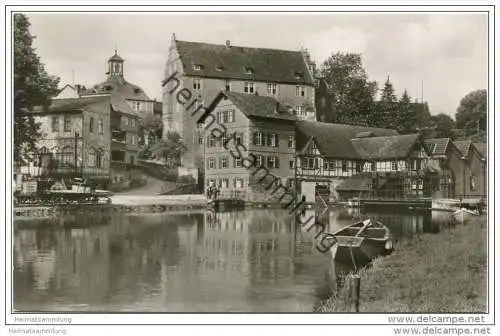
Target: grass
[(445, 272)]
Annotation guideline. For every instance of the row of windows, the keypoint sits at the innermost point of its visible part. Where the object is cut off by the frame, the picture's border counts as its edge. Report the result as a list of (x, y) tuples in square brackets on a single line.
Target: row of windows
[(250, 87), (260, 161), (67, 123), (259, 139), (224, 117), (237, 182), (271, 139), (346, 165), (129, 121), (66, 157)]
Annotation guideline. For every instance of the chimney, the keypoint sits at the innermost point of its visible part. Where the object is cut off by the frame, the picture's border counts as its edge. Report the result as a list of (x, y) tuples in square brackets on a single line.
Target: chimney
[(228, 44)]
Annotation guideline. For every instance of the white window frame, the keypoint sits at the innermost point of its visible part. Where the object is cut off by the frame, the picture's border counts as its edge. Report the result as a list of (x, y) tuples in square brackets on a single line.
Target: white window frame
[(259, 160), (211, 163), (259, 136), (300, 91), (197, 84), (272, 88), (271, 160), (249, 87), (224, 162), (274, 138)]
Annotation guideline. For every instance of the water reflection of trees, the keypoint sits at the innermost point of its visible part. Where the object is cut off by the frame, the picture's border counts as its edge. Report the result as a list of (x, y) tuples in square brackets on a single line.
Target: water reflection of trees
[(100, 260), (97, 263)]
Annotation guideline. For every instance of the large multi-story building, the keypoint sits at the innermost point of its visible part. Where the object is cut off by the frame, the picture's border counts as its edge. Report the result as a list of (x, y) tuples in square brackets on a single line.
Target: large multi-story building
[(206, 69), (93, 133), (342, 161), (265, 129)]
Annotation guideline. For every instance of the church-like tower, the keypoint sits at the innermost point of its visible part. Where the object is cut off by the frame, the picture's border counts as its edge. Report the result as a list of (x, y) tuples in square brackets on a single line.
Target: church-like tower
[(115, 66)]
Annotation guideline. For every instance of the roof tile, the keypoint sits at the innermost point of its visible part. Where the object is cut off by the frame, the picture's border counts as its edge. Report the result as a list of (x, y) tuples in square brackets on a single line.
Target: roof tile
[(231, 62)]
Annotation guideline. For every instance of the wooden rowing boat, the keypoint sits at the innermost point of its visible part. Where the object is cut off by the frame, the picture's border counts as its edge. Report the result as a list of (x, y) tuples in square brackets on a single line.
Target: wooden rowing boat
[(364, 240), (464, 215)]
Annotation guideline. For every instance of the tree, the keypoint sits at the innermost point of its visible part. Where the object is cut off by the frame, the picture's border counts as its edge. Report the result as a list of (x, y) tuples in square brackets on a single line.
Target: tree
[(406, 111), (151, 127), (171, 149), (471, 114), (388, 95), (444, 126), (350, 94), (388, 114), (32, 87)]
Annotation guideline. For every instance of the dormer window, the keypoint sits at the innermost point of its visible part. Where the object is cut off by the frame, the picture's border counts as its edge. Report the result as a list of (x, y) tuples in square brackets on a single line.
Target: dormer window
[(197, 67), (249, 70), (298, 75), (219, 67), (137, 90)]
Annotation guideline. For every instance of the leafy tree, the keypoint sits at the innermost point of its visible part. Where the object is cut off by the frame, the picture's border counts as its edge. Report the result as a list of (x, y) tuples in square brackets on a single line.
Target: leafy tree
[(32, 87), (171, 149), (471, 114), (444, 126), (351, 94)]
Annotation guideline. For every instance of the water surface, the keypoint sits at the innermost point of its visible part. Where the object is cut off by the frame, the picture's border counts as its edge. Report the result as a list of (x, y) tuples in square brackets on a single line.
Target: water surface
[(251, 261)]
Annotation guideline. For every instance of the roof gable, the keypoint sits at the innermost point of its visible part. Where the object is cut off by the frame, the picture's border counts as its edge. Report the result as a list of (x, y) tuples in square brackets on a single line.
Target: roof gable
[(259, 106), (482, 148), (385, 147), (334, 140), (437, 147), (244, 63), (463, 146)]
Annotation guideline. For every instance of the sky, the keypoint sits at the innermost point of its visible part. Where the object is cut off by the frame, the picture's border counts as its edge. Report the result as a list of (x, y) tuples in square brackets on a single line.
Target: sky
[(447, 52)]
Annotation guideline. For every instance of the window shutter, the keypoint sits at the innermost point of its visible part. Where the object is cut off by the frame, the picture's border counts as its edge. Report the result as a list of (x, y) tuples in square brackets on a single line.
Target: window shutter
[(277, 161), (255, 138)]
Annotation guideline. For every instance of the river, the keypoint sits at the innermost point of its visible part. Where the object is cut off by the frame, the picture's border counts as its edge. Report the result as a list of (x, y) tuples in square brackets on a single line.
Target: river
[(250, 261)]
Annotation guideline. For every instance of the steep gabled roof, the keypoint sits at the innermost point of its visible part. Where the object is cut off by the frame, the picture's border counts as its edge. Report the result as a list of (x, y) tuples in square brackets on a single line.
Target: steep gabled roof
[(232, 62), (437, 147), (334, 140), (309, 146), (482, 148), (463, 146), (259, 106), (386, 147)]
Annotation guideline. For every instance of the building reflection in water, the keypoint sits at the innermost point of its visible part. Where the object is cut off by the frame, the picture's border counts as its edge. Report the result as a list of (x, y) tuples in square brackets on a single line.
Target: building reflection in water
[(258, 260)]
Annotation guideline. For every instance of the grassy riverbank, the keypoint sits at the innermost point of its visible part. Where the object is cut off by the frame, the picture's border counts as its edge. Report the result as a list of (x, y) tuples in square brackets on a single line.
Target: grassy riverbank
[(445, 272)]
